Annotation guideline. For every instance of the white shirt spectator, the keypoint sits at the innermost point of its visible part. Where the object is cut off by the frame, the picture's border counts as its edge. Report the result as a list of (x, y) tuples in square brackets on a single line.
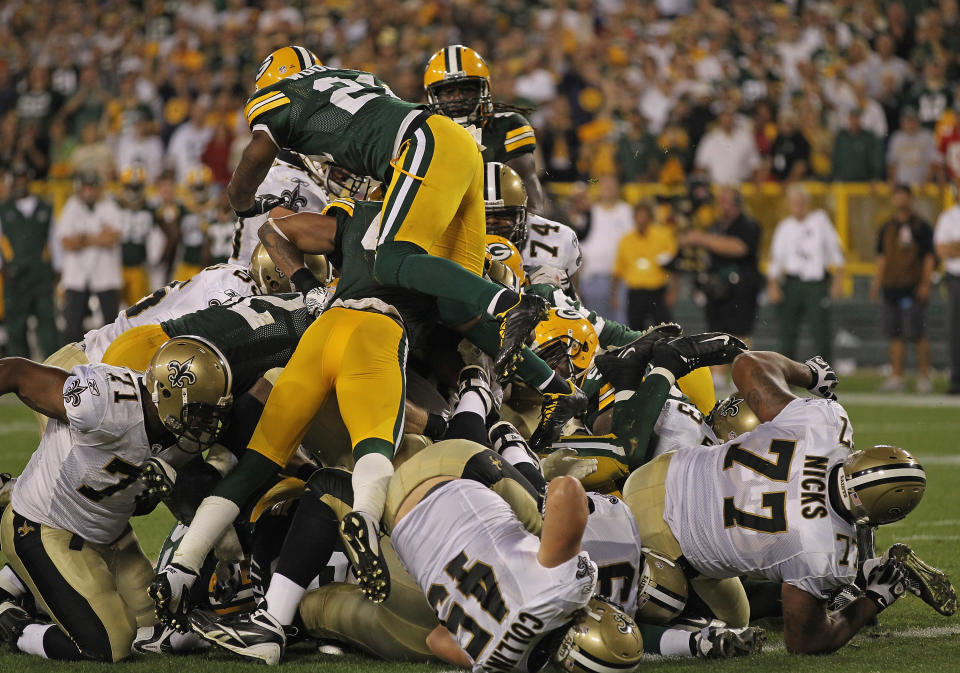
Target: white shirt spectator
[(655, 105), (894, 67), (911, 154), (607, 226), (728, 158), (186, 147), (537, 85), (872, 118), (948, 231), (147, 152), (93, 268), (199, 14), (805, 248)]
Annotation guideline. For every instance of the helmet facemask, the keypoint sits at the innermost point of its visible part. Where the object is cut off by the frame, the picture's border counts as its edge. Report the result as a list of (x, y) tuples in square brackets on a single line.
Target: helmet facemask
[(466, 100), (199, 426), (509, 222)]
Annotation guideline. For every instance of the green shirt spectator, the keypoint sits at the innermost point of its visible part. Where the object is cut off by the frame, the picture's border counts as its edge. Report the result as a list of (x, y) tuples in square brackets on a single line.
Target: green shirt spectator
[(857, 153)]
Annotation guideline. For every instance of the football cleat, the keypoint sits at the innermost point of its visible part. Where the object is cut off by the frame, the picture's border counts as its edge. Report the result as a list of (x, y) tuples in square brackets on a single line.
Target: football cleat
[(13, 619), (504, 434), (557, 409), (720, 642), (158, 639), (624, 367), (361, 540), (516, 325), (932, 586), (473, 378), (684, 354), (252, 635)]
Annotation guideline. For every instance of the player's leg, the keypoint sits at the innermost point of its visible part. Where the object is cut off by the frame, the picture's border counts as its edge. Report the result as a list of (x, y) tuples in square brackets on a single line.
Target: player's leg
[(17, 311), (790, 314), (132, 573), (73, 583), (136, 284), (645, 494), (371, 392), (725, 598), (135, 347), (48, 336)]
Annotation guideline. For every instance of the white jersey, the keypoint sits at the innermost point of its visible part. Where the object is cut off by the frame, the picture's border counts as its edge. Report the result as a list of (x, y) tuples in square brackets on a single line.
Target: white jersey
[(298, 191), (478, 567), (83, 476), (551, 244), (214, 285), (612, 540), (759, 505), (680, 425)]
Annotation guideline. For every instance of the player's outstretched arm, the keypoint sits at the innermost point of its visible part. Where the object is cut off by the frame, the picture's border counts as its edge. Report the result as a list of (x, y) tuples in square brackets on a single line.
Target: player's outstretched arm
[(564, 520), (38, 386), (445, 648), (764, 378), (809, 629), (256, 160)]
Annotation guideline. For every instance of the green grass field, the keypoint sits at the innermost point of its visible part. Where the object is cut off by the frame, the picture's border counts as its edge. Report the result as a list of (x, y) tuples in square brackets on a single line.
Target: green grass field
[(911, 636)]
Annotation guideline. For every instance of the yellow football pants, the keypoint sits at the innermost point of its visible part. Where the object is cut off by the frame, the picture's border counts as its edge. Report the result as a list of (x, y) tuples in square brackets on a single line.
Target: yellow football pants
[(135, 347), (136, 284), (645, 494), (96, 593), (359, 354), (435, 197), (185, 271)]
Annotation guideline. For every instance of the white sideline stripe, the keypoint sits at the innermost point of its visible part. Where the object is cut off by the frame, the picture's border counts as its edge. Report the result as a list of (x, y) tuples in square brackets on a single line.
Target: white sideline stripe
[(927, 633), (924, 536), (939, 460), (899, 400), (922, 524)]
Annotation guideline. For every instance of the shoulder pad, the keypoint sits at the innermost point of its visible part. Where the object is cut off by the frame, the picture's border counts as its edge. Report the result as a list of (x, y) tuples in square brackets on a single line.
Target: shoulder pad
[(343, 203), (102, 398)]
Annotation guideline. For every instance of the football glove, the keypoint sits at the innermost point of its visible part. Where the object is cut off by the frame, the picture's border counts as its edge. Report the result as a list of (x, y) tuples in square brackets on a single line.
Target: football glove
[(885, 581), (159, 478), (316, 300), (261, 205), (566, 462), (170, 591), (824, 378)]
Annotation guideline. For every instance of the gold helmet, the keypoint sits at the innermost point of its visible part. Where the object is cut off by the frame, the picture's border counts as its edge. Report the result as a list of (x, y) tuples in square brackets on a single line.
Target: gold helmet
[(732, 417), (198, 182), (267, 274), (881, 485), (284, 62), (133, 179), (602, 638), (503, 251), (566, 341), (505, 202), (189, 380), (457, 81), (662, 590), (337, 181)]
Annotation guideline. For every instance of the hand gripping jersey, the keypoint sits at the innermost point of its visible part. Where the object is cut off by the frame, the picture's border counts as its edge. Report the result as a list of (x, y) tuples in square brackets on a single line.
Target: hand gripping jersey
[(349, 116), (478, 567), (759, 505), (506, 136), (255, 334), (298, 191), (83, 476), (552, 244), (612, 540), (213, 286), (681, 425)]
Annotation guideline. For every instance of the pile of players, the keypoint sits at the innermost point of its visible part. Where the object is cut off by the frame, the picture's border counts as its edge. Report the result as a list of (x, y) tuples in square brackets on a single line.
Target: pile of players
[(362, 449)]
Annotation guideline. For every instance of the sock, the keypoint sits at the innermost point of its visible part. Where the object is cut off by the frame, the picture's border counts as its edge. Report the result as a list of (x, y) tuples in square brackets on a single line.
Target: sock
[(468, 425), (31, 640), (675, 643), (10, 583), (555, 384), (516, 455), (371, 476), (49, 642), (283, 598), (651, 635), (472, 403), (308, 545)]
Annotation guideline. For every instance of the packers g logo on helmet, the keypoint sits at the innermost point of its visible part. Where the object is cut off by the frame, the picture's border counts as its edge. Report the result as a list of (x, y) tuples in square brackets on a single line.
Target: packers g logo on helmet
[(881, 485), (601, 639), (284, 62), (566, 341), (504, 264), (453, 70)]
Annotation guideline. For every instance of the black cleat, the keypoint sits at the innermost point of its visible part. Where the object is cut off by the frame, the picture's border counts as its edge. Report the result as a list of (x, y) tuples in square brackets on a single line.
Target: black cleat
[(252, 635), (624, 367), (504, 434), (932, 586), (557, 409), (516, 324), (720, 642), (13, 619), (684, 354), (361, 539)]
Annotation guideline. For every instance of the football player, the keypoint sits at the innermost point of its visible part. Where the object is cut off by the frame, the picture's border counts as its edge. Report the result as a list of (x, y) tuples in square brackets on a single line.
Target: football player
[(457, 82), (66, 533), (782, 502), (200, 208), (431, 234), (137, 221)]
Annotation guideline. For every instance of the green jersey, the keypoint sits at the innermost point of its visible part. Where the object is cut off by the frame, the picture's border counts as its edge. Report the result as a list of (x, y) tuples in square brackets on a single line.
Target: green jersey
[(349, 116), (355, 219), (136, 224), (255, 334), (24, 240), (506, 136)]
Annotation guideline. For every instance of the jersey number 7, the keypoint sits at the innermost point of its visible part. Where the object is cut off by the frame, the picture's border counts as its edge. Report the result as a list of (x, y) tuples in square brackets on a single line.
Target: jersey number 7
[(775, 502)]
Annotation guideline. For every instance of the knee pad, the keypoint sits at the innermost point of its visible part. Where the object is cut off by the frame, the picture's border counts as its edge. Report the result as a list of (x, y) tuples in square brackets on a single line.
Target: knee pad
[(390, 257)]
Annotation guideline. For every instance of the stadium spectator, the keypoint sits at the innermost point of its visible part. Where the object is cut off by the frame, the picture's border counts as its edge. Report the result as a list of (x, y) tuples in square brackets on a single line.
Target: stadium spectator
[(912, 152), (88, 103), (29, 249), (92, 154), (931, 96), (947, 241), (39, 102), (188, 142), (888, 67), (790, 153), (804, 273), (728, 153), (611, 218), (857, 153), (88, 230), (637, 155), (142, 147), (905, 262), (560, 144), (641, 265)]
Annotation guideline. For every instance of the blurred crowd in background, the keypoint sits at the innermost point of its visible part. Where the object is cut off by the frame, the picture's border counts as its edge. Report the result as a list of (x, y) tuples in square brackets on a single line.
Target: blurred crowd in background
[(142, 99)]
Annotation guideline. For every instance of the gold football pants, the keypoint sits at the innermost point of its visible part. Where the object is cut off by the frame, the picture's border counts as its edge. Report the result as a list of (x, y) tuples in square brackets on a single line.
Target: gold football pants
[(360, 355), (435, 197), (645, 494), (96, 593)]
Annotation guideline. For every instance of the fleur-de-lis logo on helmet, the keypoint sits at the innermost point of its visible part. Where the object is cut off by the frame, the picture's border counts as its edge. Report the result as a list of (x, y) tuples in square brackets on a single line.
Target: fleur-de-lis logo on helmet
[(731, 408), (180, 374)]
